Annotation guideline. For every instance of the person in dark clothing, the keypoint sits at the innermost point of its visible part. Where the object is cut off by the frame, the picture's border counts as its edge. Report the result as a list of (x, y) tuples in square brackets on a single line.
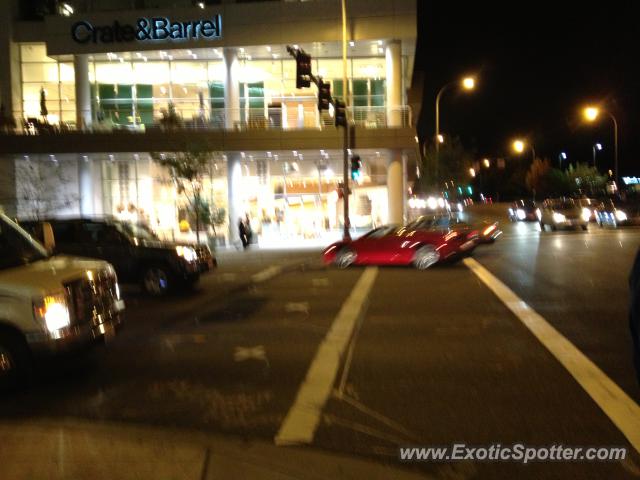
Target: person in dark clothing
[(634, 312), (242, 230), (247, 229)]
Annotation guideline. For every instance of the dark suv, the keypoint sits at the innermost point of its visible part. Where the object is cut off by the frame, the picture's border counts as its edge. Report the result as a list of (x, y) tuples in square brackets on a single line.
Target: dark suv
[(137, 254)]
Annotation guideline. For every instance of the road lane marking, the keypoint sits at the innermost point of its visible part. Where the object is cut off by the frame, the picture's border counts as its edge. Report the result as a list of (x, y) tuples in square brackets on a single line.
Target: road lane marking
[(266, 274), (297, 307), (614, 402), (303, 418)]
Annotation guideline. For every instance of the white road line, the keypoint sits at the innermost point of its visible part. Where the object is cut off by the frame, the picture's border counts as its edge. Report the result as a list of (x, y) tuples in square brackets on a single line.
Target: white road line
[(614, 402), (266, 274), (302, 420)]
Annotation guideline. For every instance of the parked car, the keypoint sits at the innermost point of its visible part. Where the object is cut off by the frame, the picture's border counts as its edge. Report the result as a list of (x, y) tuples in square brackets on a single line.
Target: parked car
[(137, 254), (523, 211), (409, 245), (563, 213), (615, 213), (49, 304)]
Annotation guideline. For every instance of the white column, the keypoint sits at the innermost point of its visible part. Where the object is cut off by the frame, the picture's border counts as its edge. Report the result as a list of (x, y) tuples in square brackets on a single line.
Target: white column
[(393, 56), (231, 88), (395, 194), (85, 184), (83, 91), (234, 190)]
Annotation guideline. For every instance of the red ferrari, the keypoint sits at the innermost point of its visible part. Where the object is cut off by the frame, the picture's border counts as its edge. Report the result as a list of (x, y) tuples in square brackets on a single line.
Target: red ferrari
[(422, 243)]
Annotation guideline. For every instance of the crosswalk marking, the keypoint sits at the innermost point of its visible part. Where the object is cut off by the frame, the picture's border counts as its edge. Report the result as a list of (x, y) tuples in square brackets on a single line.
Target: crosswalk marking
[(614, 402)]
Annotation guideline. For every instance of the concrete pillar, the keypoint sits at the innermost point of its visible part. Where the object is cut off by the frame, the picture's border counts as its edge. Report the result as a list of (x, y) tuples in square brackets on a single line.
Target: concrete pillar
[(89, 186), (231, 88), (8, 195), (395, 181), (234, 190), (393, 57), (10, 81), (83, 92)]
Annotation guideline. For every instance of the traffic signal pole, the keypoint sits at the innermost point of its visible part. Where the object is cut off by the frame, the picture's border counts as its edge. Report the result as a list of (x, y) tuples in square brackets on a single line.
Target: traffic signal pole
[(340, 114)]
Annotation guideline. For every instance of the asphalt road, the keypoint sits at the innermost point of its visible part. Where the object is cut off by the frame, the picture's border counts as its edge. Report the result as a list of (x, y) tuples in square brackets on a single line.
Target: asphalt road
[(434, 358)]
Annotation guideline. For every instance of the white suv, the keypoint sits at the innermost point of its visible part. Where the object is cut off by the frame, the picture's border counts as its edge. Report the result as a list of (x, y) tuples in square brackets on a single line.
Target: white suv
[(49, 304)]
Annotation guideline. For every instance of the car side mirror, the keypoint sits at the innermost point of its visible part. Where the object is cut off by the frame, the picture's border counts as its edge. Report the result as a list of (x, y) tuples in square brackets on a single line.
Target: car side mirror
[(48, 238)]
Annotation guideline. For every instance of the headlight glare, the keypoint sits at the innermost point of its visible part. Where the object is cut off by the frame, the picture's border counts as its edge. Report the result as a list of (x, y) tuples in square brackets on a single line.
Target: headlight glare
[(188, 253), (520, 214), (586, 214), (53, 311), (620, 216), (558, 217)]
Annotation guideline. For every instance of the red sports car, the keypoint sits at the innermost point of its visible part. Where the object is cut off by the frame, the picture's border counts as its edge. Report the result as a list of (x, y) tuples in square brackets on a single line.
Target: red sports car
[(422, 243)]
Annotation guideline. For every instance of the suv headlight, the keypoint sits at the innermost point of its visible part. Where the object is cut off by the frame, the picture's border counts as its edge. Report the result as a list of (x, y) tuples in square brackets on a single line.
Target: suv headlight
[(188, 253), (53, 312), (558, 217), (620, 216), (586, 214), (520, 213)]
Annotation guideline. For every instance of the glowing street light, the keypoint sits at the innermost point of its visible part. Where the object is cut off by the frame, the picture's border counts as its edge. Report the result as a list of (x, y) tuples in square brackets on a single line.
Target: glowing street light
[(591, 114), (596, 148), (520, 145), (472, 172), (486, 162), (468, 84)]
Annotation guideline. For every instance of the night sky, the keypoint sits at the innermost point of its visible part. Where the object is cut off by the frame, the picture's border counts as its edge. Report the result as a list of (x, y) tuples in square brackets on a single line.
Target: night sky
[(537, 64)]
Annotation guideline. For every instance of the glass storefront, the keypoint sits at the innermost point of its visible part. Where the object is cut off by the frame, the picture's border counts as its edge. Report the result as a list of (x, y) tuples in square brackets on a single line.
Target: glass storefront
[(139, 89)]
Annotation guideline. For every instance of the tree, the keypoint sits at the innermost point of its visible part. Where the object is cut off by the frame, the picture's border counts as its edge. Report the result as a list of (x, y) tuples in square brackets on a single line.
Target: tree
[(586, 180), (188, 170), (545, 181), (452, 162)]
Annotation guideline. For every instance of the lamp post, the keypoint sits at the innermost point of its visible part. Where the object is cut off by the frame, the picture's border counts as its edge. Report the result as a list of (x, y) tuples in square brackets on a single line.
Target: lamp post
[(591, 114), (519, 146), (468, 84), (346, 235), (562, 156), (596, 148)]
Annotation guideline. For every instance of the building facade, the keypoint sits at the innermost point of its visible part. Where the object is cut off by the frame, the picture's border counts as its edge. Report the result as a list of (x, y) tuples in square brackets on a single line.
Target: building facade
[(98, 89)]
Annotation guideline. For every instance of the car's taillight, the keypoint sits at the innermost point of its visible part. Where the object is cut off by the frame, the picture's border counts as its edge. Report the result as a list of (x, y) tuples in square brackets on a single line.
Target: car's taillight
[(489, 229)]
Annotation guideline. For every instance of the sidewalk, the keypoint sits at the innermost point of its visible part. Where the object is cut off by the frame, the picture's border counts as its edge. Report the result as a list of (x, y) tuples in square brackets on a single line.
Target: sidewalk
[(78, 450)]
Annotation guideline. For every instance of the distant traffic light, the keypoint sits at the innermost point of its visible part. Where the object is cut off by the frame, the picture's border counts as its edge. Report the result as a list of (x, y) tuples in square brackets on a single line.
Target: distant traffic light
[(340, 114), (356, 166), (303, 70), (324, 95)]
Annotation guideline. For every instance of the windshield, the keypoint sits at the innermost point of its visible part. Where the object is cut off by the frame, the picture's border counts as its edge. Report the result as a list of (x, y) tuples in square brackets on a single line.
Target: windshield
[(431, 222), (137, 230), (16, 247)]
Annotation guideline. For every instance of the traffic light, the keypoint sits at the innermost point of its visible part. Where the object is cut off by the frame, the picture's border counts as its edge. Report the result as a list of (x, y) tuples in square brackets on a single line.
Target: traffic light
[(356, 165), (340, 113), (303, 70), (324, 95)]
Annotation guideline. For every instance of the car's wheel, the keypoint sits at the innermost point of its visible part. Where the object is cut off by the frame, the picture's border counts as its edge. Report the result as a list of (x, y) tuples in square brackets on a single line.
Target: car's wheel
[(584, 227), (15, 361), (156, 280), (425, 257), (345, 257)]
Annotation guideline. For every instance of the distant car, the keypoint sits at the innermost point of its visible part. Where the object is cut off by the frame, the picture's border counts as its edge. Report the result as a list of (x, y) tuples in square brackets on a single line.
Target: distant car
[(136, 253), (564, 214), (408, 245), (589, 204), (615, 213), (523, 211)]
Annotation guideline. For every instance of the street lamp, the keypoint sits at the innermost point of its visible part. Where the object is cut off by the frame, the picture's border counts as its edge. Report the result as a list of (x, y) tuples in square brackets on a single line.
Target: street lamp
[(561, 157), (596, 148), (591, 114), (468, 84), (520, 145)]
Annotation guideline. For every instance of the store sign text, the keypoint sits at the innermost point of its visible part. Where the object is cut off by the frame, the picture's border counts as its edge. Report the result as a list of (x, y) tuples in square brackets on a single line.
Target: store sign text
[(147, 29)]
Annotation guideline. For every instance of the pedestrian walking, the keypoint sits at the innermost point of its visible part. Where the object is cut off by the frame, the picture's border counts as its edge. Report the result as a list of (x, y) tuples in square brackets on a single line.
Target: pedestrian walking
[(242, 231)]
